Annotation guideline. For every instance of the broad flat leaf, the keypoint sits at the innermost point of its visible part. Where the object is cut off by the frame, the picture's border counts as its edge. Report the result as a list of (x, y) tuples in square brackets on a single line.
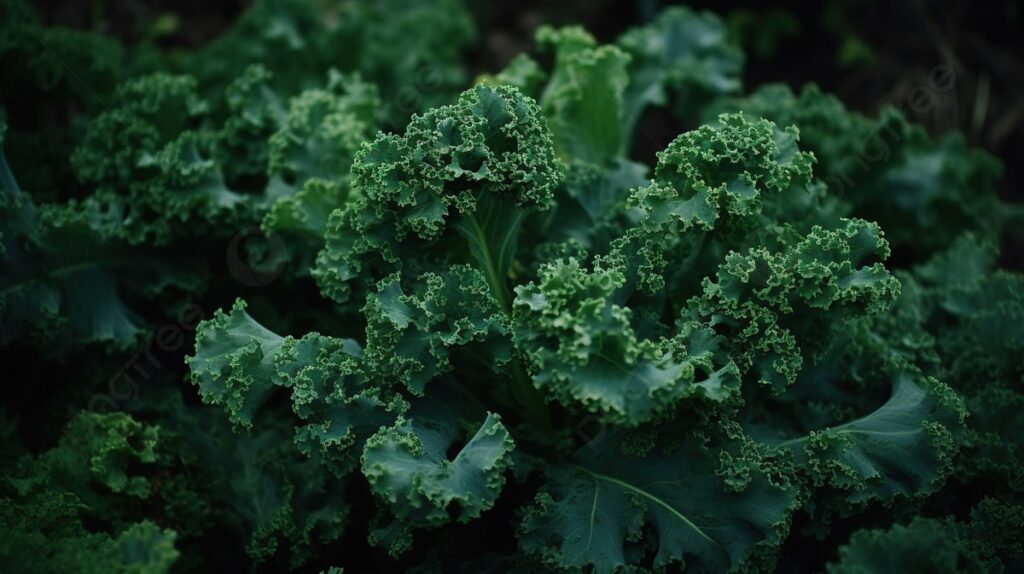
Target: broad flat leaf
[(609, 509), (583, 99)]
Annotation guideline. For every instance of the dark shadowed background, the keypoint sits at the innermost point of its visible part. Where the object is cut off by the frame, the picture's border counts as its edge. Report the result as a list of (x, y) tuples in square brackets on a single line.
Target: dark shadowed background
[(870, 53)]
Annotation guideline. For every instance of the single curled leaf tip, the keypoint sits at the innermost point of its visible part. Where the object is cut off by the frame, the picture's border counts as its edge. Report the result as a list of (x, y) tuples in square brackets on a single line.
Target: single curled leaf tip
[(411, 467), (583, 100)]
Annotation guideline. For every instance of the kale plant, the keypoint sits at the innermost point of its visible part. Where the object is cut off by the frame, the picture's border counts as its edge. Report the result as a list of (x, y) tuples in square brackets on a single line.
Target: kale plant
[(478, 331)]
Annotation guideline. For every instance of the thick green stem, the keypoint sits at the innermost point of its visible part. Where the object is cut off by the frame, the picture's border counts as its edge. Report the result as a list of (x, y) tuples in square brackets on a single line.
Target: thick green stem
[(491, 268), (534, 408), (6, 177), (494, 267)]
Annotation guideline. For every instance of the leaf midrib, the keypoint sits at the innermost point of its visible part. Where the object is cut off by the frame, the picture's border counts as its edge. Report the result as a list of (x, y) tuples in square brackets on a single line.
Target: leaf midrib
[(839, 430), (493, 276), (637, 490)]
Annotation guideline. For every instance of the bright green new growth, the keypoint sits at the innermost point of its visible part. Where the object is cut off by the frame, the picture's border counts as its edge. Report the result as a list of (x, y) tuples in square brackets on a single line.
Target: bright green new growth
[(477, 167)]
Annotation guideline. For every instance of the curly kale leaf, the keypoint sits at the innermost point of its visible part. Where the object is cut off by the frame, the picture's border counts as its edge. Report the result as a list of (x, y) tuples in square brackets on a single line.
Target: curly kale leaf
[(579, 328), (775, 305), (427, 476), (240, 365), (412, 51), (309, 161), (254, 112), (153, 166), (94, 457), (48, 535), (722, 187), (98, 475), (989, 541), (905, 448), (970, 313), (932, 190), (281, 504), (410, 337), (583, 98), (322, 131), (595, 95), (725, 170), (475, 168), (585, 350)]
